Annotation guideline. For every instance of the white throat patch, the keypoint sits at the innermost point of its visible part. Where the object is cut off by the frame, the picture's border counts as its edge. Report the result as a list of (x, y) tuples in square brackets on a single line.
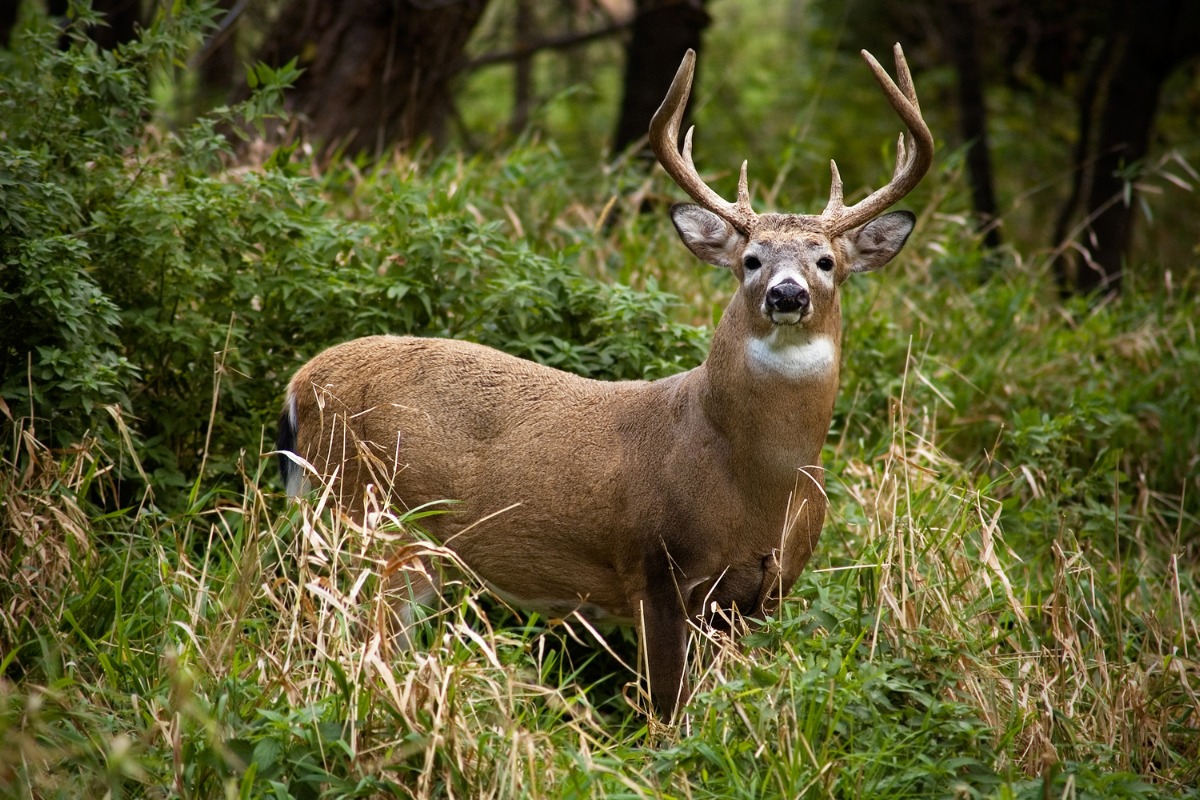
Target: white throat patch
[(790, 359)]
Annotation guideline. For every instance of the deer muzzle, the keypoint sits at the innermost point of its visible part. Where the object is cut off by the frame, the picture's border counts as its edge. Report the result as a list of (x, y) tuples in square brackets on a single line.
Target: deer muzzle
[(788, 298)]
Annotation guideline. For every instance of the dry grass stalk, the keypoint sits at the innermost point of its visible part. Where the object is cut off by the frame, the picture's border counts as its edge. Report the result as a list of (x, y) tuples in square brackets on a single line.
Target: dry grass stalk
[(44, 534), (1043, 667)]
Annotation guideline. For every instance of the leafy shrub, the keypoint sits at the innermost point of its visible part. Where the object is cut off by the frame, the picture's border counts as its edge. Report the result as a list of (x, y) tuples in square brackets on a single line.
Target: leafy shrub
[(139, 273), (1085, 404), (1002, 604)]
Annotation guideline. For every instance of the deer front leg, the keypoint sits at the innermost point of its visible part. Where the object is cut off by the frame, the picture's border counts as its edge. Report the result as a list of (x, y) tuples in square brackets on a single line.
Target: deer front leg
[(663, 624), (660, 594)]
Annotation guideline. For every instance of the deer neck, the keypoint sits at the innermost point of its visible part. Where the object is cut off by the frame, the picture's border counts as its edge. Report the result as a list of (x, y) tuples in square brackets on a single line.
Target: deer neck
[(770, 392)]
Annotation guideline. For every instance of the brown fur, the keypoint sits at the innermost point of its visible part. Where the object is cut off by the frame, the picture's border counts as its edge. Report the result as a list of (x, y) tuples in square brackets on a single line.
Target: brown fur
[(658, 502), (652, 502)]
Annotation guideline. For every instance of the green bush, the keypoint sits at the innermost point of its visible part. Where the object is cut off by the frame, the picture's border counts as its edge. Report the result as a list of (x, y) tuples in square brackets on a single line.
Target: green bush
[(139, 272), (1001, 605), (1085, 405)]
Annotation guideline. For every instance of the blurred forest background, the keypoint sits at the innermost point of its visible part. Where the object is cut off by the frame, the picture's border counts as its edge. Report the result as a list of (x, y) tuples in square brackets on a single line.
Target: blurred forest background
[(1100, 94), (1073, 119), (197, 197)]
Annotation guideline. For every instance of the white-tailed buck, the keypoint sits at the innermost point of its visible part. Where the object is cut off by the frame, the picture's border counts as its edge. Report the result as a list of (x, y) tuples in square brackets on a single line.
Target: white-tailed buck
[(655, 503)]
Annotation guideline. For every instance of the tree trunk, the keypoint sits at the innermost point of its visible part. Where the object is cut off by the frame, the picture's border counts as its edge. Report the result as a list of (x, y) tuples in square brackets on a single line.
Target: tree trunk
[(1087, 102), (1143, 54), (525, 32), (8, 20), (663, 30), (217, 62), (121, 18), (961, 22), (376, 72)]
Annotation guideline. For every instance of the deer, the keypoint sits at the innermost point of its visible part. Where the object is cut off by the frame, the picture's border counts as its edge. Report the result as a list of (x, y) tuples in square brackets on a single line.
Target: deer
[(663, 504)]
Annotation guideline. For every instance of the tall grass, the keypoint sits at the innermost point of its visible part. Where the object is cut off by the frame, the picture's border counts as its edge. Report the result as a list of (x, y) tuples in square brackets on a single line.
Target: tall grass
[(988, 615), (1003, 604)]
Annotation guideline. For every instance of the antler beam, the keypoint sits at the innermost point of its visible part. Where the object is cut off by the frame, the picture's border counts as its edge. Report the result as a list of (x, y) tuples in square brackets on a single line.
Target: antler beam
[(664, 139), (914, 153)]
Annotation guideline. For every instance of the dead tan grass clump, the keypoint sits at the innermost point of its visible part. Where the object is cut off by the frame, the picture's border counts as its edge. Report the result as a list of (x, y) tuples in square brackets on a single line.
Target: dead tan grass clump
[(44, 534), (1049, 657)]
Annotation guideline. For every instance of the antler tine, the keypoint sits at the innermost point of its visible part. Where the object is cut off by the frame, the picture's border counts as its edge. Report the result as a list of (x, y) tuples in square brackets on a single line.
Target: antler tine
[(904, 76), (914, 152), (664, 139), (901, 155), (834, 206)]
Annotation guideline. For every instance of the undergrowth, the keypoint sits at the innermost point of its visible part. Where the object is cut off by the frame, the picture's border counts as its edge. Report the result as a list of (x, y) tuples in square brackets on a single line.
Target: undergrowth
[(1003, 604), (246, 647)]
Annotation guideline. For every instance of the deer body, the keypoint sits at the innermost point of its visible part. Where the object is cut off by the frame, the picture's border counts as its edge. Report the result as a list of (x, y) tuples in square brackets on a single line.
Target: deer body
[(656, 503), (594, 477)]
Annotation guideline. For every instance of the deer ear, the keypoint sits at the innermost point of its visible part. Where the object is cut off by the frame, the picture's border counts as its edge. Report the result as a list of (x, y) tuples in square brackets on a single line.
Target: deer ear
[(877, 242), (710, 238)]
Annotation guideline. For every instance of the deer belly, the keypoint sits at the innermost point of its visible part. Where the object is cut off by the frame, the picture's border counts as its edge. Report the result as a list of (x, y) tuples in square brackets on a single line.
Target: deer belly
[(561, 608)]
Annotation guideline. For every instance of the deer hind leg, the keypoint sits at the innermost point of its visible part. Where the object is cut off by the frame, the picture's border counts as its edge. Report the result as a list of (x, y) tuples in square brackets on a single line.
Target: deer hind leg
[(411, 581)]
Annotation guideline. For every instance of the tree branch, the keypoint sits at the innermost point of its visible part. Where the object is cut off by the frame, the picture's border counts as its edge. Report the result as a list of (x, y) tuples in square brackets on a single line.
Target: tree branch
[(562, 42)]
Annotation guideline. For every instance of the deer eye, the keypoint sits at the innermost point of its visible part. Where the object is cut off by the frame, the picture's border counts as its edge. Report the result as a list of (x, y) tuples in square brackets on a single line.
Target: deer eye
[(752, 263), (825, 263)]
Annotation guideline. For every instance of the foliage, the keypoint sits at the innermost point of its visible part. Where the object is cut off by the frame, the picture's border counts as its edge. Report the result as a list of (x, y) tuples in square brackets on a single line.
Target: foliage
[(1077, 399), (136, 268), (1003, 604)]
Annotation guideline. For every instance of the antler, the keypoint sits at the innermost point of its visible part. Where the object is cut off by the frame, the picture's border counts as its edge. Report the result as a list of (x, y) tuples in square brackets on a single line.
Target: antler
[(664, 139), (914, 154)]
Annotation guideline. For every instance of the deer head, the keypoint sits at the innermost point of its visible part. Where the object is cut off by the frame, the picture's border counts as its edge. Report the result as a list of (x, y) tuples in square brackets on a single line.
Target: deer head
[(789, 266)]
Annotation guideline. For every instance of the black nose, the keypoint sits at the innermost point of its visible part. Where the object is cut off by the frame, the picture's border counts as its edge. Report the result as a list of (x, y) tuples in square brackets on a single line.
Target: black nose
[(787, 297)]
